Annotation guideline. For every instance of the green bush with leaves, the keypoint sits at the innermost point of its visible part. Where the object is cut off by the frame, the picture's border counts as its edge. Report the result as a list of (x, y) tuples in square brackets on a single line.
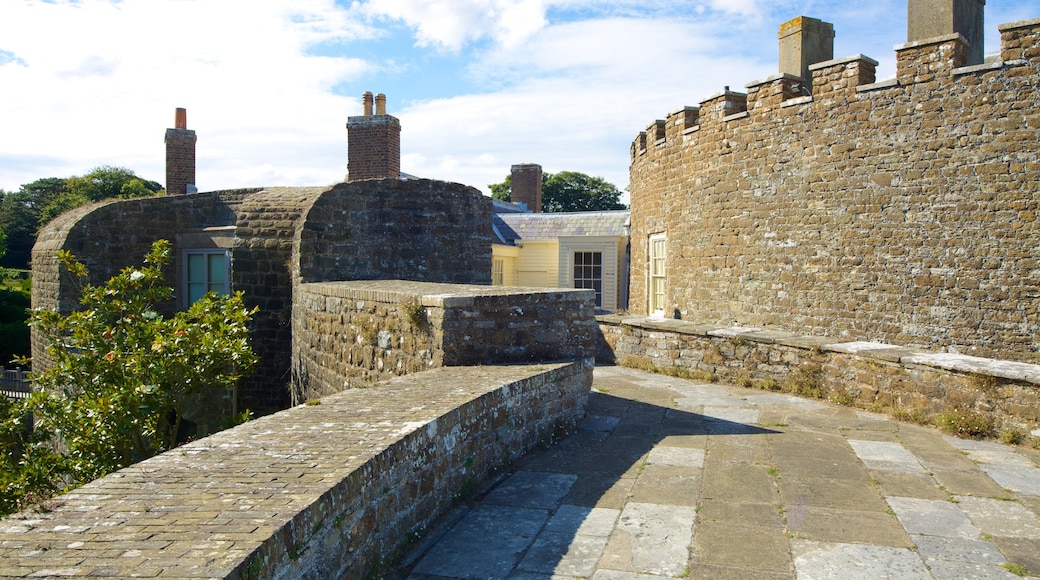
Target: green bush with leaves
[(122, 374)]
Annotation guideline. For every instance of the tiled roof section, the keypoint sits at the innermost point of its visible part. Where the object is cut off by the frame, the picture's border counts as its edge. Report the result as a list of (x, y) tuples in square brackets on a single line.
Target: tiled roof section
[(499, 206), (548, 226)]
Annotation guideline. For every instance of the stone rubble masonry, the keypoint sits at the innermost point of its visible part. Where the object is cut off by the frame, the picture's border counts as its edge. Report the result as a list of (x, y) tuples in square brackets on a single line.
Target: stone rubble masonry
[(326, 490), (904, 211), (352, 334), (423, 230), (866, 372)]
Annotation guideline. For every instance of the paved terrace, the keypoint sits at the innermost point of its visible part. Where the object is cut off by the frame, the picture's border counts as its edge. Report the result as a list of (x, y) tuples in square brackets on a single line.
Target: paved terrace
[(670, 478)]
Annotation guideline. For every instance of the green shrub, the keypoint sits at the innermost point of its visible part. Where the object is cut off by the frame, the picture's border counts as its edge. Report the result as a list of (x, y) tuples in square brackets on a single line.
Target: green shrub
[(967, 423)]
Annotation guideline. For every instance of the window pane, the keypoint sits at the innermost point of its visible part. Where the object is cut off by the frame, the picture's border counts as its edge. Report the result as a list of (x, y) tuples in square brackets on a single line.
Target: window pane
[(196, 269), (217, 269), (195, 292)]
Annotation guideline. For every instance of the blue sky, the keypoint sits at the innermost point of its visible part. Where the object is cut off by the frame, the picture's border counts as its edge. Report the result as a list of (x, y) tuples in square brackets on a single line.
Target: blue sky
[(479, 85)]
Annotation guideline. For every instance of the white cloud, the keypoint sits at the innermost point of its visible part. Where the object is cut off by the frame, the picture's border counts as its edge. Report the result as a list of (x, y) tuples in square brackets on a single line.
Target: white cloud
[(564, 83), (450, 25), (104, 78), (741, 7), (573, 98)]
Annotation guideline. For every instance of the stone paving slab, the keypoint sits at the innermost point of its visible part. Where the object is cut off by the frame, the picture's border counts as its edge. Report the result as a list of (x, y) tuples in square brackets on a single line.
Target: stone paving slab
[(670, 478)]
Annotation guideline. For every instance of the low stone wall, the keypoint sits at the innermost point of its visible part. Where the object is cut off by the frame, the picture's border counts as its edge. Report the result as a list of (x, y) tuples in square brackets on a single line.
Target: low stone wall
[(326, 490), (351, 334), (864, 374)]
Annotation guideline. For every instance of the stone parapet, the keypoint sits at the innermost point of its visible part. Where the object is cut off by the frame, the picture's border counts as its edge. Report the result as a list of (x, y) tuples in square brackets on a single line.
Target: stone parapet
[(866, 372), (326, 490), (352, 334)]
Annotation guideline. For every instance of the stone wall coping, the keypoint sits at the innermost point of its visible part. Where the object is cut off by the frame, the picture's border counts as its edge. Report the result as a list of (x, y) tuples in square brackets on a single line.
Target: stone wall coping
[(930, 41), (885, 84), (1011, 370), (726, 93), (796, 101), (735, 116), (1019, 24), (683, 110), (772, 78), (841, 61), (963, 70), (429, 293)]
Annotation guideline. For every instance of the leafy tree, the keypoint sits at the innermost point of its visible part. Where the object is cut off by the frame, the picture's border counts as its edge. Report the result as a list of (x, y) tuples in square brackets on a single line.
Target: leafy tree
[(107, 182), (14, 334), (103, 182), (30, 469), (60, 205), (24, 212), (123, 374), (504, 191), (569, 191), (572, 191), (19, 220)]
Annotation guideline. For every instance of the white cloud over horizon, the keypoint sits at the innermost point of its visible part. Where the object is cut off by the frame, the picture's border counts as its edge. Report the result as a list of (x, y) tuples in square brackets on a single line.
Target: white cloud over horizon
[(478, 84)]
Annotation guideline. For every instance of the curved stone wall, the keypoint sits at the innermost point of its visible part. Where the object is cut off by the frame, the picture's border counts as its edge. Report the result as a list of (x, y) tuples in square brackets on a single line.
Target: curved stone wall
[(325, 490), (904, 211)]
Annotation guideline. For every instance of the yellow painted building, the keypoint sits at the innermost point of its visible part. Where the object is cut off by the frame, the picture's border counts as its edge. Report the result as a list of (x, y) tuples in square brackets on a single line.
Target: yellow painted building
[(564, 250)]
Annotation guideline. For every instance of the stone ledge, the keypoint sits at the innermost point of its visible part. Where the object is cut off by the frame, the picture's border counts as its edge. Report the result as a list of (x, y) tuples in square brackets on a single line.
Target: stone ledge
[(885, 84), (1014, 371), (321, 491), (1020, 24)]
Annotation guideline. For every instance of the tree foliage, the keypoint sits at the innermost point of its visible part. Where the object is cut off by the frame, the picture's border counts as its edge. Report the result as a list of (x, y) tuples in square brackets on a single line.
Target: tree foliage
[(24, 212), (123, 374), (504, 191), (568, 191)]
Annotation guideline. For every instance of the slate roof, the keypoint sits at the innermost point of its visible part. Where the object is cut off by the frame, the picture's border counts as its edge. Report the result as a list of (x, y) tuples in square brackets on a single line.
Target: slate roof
[(510, 227)]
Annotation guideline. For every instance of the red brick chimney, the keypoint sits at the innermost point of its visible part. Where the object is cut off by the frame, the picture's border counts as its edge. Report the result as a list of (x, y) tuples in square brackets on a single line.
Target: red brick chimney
[(180, 156), (526, 186), (373, 142)]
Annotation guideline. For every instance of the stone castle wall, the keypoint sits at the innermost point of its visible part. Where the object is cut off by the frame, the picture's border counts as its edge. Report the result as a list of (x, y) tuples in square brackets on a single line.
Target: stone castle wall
[(352, 334), (415, 229), (421, 230), (903, 211)]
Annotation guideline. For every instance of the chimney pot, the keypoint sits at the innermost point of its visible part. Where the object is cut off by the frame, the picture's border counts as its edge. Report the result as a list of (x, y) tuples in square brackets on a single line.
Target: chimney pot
[(366, 102), (380, 104), (180, 120)]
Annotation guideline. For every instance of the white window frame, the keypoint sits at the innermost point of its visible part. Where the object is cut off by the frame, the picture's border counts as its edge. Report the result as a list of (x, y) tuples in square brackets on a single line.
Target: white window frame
[(498, 271), (601, 294), (224, 288), (657, 274)]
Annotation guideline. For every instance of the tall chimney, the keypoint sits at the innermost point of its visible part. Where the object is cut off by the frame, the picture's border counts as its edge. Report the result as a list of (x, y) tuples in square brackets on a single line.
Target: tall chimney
[(804, 42), (180, 156), (373, 142), (526, 185), (933, 18)]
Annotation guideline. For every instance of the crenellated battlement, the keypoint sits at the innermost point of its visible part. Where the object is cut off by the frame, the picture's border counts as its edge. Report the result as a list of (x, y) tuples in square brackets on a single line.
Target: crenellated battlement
[(929, 64), (906, 210)]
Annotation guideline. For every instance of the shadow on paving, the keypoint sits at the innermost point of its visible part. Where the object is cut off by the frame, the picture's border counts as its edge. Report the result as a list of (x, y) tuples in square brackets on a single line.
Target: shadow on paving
[(554, 510)]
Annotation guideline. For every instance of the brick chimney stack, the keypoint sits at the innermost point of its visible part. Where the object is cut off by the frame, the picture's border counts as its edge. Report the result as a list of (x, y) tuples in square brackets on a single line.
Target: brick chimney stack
[(526, 186), (180, 156), (373, 142), (927, 19), (804, 42)]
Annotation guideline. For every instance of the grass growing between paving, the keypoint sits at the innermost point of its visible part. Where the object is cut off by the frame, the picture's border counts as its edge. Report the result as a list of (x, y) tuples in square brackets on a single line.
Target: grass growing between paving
[(958, 418)]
